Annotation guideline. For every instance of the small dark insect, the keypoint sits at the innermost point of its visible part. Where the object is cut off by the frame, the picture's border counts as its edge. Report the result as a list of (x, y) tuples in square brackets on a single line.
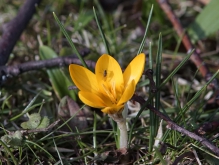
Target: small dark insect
[(72, 87), (105, 73)]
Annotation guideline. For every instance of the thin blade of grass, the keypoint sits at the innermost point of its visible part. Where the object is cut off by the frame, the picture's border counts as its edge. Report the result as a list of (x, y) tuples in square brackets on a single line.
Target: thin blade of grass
[(101, 31), (5, 102), (41, 148), (189, 94), (116, 132), (150, 56), (151, 128), (179, 42), (31, 102), (154, 122), (37, 158), (81, 145), (160, 156), (69, 40), (49, 38), (57, 151), (197, 95), (144, 38), (101, 11), (8, 151), (158, 74), (175, 70), (26, 110), (176, 93)]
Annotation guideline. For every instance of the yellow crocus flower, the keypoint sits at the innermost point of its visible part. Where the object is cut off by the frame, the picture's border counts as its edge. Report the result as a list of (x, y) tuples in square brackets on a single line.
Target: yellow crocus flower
[(108, 88)]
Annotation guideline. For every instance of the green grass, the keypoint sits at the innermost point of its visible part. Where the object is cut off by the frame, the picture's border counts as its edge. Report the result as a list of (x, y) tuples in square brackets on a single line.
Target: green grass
[(85, 135)]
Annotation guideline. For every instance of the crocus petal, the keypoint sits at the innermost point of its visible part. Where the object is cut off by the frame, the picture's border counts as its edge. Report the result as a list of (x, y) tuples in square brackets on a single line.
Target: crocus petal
[(112, 110), (134, 69), (107, 69), (128, 93), (91, 99), (83, 78)]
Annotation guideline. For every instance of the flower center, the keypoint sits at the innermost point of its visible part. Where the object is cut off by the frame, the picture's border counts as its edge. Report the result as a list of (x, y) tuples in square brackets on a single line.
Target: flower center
[(110, 91)]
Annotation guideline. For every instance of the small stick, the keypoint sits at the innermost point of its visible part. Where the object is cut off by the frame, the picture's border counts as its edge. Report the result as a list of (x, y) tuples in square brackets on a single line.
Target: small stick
[(13, 29), (11, 71)]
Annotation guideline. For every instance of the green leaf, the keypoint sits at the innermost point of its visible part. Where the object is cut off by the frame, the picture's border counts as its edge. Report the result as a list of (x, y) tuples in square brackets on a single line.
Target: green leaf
[(206, 23), (58, 79), (14, 139), (44, 122), (33, 122)]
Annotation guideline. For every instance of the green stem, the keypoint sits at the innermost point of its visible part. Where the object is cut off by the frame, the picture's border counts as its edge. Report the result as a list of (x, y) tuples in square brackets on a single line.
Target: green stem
[(123, 139), (121, 122)]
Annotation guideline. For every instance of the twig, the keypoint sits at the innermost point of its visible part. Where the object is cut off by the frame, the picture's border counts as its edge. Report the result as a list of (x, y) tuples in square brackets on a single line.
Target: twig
[(10, 71), (176, 127), (13, 29), (196, 59)]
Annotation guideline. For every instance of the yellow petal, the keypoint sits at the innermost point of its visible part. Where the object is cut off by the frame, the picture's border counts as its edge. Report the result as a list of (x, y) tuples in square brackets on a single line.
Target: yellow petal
[(134, 69), (91, 99), (128, 93), (108, 70), (83, 78), (112, 110)]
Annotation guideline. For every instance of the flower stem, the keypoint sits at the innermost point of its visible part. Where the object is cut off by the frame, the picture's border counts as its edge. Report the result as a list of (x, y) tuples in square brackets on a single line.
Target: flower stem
[(123, 139), (121, 122)]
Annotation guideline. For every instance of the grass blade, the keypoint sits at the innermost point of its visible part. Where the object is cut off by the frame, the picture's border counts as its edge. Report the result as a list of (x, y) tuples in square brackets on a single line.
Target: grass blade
[(150, 56), (152, 135), (196, 96), (101, 31), (8, 151), (41, 148), (57, 152), (69, 40), (154, 122), (158, 75), (175, 70), (144, 38), (27, 109)]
